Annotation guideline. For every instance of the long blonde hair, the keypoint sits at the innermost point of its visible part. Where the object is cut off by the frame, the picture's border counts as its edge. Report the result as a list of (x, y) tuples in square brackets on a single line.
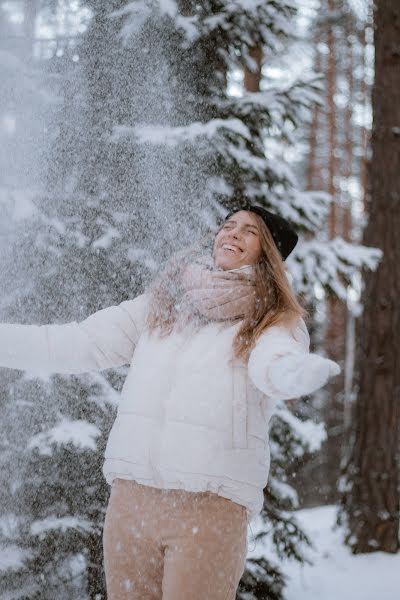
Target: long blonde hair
[(276, 303)]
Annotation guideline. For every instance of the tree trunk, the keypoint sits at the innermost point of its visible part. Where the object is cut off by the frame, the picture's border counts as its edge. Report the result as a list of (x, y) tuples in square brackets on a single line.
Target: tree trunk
[(336, 309), (313, 172), (372, 499), (252, 80)]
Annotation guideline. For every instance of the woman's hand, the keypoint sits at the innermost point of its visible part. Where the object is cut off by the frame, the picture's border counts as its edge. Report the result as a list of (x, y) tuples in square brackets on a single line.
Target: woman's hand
[(301, 374)]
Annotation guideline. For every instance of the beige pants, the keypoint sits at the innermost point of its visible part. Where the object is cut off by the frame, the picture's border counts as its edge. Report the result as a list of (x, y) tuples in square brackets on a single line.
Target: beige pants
[(172, 544)]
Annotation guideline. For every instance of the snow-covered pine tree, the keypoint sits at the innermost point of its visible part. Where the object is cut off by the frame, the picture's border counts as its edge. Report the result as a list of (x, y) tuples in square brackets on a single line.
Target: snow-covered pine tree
[(152, 150)]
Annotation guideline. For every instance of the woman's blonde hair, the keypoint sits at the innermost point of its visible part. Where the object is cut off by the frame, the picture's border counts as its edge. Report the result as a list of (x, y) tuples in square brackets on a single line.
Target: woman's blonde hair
[(276, 303)]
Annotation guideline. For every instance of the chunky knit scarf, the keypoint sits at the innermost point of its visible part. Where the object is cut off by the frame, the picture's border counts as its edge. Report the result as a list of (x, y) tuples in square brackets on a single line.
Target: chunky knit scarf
[(214, 294)]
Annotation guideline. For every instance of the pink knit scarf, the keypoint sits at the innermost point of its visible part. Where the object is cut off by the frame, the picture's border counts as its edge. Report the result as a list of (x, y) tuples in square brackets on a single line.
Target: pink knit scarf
[(215, 294)]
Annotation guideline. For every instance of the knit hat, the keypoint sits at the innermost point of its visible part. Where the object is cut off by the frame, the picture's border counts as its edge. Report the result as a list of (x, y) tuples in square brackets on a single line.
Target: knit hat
[(282, 233)]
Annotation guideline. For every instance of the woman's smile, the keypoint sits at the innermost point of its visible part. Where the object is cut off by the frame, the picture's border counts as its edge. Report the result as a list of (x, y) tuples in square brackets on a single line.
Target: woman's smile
[(231, 248)]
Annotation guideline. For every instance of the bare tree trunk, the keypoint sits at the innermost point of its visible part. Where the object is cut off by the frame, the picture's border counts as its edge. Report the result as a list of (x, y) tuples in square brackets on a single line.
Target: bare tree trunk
[(313, 175), (337, 313), (364, 90), (252, 79), (372, 498)]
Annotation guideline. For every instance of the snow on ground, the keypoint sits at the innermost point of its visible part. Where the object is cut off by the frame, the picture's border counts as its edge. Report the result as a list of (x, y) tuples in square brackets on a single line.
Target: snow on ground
[(336, 573)]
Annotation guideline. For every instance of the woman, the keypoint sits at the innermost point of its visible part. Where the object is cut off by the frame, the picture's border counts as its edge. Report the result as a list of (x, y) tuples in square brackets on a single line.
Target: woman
[(213, 344)]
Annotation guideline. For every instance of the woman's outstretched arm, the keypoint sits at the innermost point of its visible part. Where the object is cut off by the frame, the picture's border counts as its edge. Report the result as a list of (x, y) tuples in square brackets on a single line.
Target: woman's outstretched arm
[(282, 367), (105, 339)]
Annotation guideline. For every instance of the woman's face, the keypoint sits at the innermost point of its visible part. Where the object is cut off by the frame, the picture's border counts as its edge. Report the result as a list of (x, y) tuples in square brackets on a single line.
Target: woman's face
[(238, 242)]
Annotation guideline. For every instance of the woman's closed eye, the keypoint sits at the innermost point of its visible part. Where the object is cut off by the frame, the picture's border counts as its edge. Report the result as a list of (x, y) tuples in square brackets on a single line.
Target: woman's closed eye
[(253, 231)]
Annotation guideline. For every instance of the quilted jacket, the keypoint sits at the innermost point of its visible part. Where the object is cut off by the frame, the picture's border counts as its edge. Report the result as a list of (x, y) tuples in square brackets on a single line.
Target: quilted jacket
[(190, 415)]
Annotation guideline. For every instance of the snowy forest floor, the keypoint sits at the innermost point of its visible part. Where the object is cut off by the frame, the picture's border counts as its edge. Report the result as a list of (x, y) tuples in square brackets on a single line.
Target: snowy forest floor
[(336, 574)]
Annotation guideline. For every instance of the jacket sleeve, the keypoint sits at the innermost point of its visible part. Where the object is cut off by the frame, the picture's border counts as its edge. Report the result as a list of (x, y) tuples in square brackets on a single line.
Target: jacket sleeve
[(282, 367), (105, 339)]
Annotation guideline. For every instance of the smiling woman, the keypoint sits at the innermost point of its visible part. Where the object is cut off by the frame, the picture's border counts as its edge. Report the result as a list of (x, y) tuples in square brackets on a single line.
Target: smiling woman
[(262, 240), (210, 352), (243, 280)]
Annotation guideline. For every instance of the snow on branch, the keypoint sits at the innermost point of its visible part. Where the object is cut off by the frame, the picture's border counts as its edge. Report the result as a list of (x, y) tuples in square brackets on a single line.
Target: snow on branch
[(251, 22), (172, 136), (138, 13), (42, 526), (267, 178), (284, 491), (310, 434), (306, 209), (103, 394), (230, 137), (278, 104), (79, 433), (244, 23), (332, 263)]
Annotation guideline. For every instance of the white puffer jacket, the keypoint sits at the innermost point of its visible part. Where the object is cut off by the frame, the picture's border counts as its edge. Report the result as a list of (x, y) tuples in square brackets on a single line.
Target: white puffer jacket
[(190, 416)]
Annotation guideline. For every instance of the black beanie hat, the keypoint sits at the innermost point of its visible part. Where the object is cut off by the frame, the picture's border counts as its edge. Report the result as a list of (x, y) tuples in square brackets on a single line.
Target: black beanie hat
[(283, 235)]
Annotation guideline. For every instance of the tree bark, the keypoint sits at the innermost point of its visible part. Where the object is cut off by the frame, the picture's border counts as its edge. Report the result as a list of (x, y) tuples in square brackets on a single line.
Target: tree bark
[(313, 172), (372, 499), (336, 309), (252, 80)]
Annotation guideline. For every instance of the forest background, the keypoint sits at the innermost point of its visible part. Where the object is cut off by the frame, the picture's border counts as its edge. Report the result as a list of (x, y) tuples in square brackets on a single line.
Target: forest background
[(126, 129)]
